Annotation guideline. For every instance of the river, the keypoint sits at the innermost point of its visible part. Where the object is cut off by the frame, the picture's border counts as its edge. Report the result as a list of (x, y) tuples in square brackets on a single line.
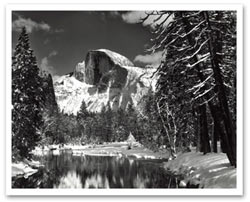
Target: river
[(69, 171)]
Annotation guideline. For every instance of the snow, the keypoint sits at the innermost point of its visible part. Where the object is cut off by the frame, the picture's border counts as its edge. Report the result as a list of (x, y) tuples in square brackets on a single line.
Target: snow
[(22, 169), (70, 92), (212, 170), (131, 138), (80, 66), (25, 168), (116, 57), (118, 149)]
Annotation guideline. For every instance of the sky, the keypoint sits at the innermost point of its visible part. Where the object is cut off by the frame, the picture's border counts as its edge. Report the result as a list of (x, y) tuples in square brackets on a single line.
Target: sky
[(61, 39)]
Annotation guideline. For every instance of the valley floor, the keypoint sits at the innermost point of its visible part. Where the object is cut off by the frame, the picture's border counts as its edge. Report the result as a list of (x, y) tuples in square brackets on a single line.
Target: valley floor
[(206, 171)]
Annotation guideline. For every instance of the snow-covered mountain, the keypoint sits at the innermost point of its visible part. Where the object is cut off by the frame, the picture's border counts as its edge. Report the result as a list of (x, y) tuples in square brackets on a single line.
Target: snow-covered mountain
[(105, 77)]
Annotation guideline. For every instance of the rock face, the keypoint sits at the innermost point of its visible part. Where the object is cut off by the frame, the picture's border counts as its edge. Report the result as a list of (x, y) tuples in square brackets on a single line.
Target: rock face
[(99, 62), (79, 72), (106, 78)]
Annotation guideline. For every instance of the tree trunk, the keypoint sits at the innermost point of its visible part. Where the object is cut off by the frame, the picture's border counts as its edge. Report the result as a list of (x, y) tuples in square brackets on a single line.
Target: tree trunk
[(170, 140), (197, 129), (217, 125), (218, 129), (204, 140), (215, 138), (227, 120)]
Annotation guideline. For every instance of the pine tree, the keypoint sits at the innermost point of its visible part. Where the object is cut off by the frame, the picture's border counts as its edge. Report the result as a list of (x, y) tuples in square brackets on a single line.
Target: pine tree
[(50, 109), (81, 118), (119, 123), (107, 121), (198, 73), (149, 126), (83, 112), (132, 122), (26, 99)]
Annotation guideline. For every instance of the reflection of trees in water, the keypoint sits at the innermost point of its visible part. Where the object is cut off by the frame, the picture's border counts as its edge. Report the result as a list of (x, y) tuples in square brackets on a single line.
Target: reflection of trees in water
[(71, 180), (97, 172)]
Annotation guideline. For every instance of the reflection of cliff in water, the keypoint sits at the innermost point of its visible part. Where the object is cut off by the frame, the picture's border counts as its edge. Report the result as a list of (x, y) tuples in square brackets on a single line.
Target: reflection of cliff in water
[(67, 171)]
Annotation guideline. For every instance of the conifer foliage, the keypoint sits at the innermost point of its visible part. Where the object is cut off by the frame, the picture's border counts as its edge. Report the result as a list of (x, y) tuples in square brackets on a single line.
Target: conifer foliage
[(197, 77), (27, 99)]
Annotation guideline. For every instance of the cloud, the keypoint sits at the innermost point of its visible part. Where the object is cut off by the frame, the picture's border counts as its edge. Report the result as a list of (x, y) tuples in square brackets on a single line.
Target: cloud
[(136, 17), (45, 63), (133, 16), (114, 14), (29, 24), (59, 30), (46, 67), (53, 53), (153, 59)]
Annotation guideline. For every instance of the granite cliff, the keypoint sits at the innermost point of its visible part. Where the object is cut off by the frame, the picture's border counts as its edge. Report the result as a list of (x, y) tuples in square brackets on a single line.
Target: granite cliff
[(105, 77)]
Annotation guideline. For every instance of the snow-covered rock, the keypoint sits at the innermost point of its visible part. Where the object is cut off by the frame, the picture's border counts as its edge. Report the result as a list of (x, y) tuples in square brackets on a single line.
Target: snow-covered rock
[(25, 168), (132, 141), (105, 78), (79, 72), (131, 138)]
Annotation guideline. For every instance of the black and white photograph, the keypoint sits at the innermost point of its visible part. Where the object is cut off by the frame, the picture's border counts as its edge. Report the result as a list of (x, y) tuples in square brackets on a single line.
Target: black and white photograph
[(125, 100)]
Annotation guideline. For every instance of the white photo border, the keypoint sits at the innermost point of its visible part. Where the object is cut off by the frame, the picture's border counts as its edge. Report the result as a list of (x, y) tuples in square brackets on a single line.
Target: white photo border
[(238, 191)]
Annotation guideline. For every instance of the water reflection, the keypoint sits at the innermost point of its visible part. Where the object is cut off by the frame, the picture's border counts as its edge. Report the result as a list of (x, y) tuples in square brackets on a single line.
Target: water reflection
[(96, 181), (71, 180), (68, 171)]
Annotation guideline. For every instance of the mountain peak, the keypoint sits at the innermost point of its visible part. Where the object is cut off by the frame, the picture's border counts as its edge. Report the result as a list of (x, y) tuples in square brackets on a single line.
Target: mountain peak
[(116, 57), (105, 77)]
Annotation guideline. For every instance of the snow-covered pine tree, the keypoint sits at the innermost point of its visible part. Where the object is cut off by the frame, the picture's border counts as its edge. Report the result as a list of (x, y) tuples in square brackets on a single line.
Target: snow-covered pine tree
[(198, 70), (26, 99)]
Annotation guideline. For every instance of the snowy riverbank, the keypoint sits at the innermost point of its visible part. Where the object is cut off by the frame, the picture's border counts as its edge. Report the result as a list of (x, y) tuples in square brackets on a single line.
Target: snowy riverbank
[(25, 168), (125, 149), (129, 148), (206, 171)]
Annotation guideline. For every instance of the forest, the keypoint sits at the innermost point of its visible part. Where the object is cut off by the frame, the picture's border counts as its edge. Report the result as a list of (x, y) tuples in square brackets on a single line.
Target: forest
[(194, 104)]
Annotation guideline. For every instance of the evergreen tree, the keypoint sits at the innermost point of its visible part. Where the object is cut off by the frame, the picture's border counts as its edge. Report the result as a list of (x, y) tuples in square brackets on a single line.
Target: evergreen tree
[(132, 122), (150, 126), (119, 125), (82, 121), (50, 109), (83, 112), (108, 123), (26, 99), (197, 75)]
